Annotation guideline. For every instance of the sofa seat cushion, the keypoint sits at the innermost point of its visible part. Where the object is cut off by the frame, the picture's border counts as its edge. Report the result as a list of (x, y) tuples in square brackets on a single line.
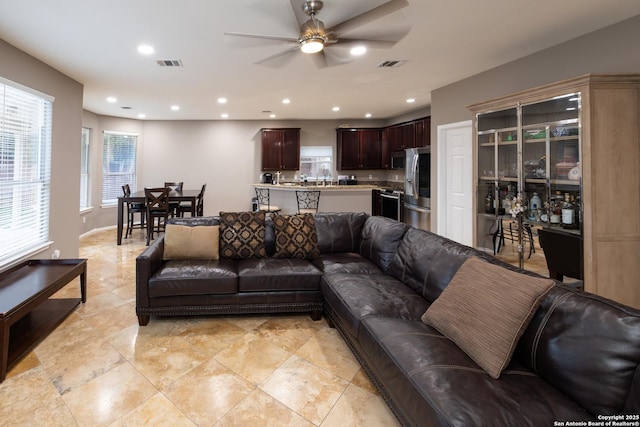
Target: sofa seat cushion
[(277, 274), (346, 262), (194, 277), (430, 378), (353, 297)]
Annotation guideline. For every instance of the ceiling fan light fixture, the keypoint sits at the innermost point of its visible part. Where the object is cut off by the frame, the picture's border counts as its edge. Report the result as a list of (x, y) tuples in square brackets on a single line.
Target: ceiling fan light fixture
[(312, 45)]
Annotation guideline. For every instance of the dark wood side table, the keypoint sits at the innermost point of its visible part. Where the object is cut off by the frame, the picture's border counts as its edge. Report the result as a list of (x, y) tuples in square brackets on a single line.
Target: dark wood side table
[(28, 313)]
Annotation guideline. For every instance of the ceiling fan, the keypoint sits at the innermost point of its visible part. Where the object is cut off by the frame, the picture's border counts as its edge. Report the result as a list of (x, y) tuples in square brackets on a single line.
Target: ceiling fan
[(313, 37)]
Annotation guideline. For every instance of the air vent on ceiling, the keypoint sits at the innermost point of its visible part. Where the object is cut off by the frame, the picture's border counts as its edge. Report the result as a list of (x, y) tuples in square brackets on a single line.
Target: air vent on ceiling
[(391, 63), (169, 62), (127, 108)]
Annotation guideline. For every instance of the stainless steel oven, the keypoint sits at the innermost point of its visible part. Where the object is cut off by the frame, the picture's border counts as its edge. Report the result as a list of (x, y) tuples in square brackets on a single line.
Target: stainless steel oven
[(390, 204)]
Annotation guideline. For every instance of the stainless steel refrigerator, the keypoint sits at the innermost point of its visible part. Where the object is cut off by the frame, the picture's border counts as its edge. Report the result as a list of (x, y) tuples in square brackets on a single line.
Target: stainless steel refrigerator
[(417, 187)]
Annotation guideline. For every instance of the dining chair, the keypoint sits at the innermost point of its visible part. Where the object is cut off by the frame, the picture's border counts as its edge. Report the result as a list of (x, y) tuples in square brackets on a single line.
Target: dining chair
[(511, 233), (174, 207), (264, 201), (157, 201), (185, 207), (132, 210), (308, 200)]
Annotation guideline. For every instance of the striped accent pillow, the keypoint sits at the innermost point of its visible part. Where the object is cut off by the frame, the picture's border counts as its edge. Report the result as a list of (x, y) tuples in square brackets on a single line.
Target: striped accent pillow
[(485, 309)]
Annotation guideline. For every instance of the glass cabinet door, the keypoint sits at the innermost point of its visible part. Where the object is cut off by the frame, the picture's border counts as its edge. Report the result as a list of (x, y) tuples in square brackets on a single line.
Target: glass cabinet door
[(497, 136), (551, 163)]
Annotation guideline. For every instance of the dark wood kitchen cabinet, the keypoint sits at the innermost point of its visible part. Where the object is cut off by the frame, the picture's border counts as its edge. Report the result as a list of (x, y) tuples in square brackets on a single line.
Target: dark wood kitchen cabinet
[(280, 149), (416, 133), (359, 149)]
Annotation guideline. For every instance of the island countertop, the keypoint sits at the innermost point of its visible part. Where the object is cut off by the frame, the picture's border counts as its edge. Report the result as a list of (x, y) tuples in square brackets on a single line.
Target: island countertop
[(333, 198), (310, 187)]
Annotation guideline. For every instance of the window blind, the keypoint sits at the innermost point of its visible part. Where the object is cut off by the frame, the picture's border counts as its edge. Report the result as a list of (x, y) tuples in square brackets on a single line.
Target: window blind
[(25, 171), (84, 168), (118, 165)]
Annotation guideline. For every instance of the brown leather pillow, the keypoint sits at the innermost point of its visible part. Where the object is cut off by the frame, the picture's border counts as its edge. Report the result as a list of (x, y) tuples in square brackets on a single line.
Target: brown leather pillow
[(485, 310), (183, 242), (242, 235), (296, 236)]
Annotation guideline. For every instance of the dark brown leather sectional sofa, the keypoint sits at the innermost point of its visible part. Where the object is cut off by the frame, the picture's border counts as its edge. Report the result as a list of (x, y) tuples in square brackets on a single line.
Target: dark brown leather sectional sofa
[(578, 359)]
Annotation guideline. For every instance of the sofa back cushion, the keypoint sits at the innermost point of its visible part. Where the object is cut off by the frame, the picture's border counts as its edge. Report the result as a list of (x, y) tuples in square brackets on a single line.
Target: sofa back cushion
[(586, 346), (426, 262), (380, 240), (339, 232)]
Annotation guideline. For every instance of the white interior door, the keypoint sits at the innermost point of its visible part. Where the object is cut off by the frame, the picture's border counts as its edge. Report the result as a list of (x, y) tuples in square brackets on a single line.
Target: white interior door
[(455, 182)]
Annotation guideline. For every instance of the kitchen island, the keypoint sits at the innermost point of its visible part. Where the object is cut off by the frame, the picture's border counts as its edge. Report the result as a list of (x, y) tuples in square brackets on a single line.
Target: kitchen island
[(333, 198)]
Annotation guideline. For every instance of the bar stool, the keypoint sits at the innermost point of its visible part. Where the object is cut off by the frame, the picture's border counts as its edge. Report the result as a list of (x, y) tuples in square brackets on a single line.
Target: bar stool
[(264, 201), (308, 201), (132, 210)]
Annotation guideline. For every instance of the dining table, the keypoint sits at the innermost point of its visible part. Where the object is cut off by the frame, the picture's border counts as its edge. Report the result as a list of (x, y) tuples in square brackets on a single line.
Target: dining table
[(139, 197)]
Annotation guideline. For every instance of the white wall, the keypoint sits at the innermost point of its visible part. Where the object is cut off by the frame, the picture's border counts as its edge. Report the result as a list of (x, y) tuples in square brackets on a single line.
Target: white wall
[(226, 155)]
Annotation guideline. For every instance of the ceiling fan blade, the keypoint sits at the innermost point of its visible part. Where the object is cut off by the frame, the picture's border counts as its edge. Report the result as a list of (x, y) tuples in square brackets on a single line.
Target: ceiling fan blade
[(278, 55), (261, 36), (374, 44), (319, 59), (301, 17), (369, 16)]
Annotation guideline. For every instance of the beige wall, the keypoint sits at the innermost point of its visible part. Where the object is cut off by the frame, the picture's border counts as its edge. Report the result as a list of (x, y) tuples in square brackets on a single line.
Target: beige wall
[(21, 68)]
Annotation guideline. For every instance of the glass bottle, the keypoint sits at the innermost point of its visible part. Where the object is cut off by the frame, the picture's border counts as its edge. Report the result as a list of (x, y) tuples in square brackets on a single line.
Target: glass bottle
[(488, 201), (556, 208)]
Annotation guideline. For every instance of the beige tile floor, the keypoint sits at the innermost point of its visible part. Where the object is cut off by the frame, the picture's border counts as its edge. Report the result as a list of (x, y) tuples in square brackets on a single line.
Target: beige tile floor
[(99, 368)]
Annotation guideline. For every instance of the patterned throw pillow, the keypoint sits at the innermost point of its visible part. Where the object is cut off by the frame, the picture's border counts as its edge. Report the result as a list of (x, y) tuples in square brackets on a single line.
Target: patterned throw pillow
[(242, 235), (296, 236)]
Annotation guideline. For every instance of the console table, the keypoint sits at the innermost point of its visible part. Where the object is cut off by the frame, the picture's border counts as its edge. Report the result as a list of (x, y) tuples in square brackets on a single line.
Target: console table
[(28, 313)]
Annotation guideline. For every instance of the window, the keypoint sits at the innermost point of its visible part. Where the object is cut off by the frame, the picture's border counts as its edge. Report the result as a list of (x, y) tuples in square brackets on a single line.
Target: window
[(25, 170), (84, 168), (118, 165), (316, 162)]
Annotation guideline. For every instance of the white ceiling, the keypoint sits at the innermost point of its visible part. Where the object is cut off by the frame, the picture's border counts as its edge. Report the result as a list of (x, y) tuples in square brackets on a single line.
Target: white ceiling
[(95, 42)]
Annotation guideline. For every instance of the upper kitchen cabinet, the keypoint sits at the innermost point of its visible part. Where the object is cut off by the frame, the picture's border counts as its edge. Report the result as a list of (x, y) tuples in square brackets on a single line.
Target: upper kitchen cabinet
[(280, 149), (570, 151), (416, 133), (359, 149)]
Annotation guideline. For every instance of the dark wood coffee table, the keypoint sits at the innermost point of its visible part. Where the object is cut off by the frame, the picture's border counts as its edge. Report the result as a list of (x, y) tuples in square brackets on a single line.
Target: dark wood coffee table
[(28, 313)]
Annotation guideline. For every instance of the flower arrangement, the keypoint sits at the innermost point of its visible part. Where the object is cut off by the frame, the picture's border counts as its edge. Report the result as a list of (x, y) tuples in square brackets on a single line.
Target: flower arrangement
[(517, 207)]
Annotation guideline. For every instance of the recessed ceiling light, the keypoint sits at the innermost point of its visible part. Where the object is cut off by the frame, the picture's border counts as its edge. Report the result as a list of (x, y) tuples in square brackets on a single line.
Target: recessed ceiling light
[(142, 116), (368, 115), (411, 100), (224, 115), (145, 49), (175, 107), (286, 101), (273, 116), (358, 50), (222, 100), (112, 99), (336, 108)]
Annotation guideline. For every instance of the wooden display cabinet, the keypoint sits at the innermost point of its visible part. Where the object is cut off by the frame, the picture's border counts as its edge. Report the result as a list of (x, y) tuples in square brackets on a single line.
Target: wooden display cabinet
[(579, 138)]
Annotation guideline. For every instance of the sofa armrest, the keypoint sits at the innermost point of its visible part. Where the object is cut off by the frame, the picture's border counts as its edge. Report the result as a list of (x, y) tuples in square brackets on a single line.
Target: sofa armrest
[(148, 263)]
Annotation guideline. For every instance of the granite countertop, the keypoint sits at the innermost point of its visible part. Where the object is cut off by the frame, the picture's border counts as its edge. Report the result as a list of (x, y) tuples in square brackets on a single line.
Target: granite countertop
[(294, 186)]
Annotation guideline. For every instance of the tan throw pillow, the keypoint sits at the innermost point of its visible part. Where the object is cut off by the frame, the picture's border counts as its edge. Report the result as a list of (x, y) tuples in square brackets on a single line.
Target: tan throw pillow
[(183, 242), (242, 235), (296, 236), (485, 310)]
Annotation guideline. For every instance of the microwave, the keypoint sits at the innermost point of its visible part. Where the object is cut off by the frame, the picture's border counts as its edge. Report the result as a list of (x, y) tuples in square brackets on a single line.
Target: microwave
[(398, 159)]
